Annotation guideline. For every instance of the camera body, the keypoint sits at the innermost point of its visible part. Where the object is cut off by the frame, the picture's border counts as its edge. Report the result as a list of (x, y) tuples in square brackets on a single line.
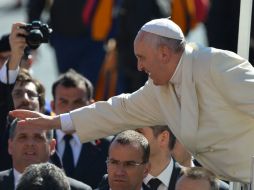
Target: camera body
[(37, 33)]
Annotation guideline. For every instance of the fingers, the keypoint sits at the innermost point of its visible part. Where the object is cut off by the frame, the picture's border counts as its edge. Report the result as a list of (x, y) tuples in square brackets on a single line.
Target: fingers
[(17, 39), (17, 42), (30, 122), (22, 114)]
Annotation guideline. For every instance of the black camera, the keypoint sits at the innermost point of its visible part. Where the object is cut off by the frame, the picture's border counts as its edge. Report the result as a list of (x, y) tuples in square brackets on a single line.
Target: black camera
[(37, 33)]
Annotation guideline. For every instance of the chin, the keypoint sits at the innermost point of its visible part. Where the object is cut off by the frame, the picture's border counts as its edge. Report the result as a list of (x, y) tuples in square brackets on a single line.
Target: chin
[(156, 83)]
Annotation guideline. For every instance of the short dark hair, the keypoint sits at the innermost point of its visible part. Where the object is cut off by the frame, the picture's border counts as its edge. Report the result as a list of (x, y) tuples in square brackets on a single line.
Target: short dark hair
[(133, 137), (73, 79), (197, 173), (24, 77), (158, 129), (43, 176), (13, 126)]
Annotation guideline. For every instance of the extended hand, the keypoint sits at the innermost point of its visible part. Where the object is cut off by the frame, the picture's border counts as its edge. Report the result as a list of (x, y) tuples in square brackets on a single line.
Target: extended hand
[(36, 119)]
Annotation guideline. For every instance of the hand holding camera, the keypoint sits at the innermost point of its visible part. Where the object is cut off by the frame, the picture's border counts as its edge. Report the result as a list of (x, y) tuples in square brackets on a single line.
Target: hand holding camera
[(37, 33), (25, 37)]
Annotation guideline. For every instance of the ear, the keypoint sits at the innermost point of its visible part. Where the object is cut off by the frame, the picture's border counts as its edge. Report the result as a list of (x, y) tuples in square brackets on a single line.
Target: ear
[(10, 146), (52, 105), (164, 138), (147, 169), (165, 54), (52, 146)]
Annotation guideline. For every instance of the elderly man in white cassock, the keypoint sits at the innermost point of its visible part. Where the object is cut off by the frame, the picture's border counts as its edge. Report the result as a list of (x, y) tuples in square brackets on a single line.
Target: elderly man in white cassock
[(205, 95)]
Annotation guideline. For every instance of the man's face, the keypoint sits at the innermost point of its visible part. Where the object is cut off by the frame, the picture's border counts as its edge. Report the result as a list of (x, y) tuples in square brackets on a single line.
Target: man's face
[(68, 99), (121, 174), (186, 183), (29, 146), (25, 96), (154, 61)]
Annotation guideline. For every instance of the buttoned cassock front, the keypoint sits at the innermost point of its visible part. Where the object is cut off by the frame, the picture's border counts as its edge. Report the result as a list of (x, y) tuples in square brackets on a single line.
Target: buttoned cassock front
[(214, 119)]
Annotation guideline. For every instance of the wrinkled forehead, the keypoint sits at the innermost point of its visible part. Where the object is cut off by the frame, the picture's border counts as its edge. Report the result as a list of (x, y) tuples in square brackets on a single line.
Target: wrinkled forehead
[(145, 38), (141, 36), (29, 131)]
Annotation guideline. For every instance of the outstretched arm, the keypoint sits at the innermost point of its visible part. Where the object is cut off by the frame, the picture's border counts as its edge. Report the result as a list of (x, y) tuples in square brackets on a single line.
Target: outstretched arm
[(36, 119)]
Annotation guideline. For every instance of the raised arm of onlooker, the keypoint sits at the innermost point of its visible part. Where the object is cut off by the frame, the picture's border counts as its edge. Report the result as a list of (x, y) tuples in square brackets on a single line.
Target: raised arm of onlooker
[(17, 44)]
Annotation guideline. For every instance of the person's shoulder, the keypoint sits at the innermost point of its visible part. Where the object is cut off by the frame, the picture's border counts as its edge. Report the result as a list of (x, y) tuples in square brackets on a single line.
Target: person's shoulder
[(223, 185), (105, 141), (5, 173), (103, 183), (78, 185), (102, 143)]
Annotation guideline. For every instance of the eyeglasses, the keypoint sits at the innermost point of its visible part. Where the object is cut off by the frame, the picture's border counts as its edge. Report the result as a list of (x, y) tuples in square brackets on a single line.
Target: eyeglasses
[(20, 93), (126, 164)]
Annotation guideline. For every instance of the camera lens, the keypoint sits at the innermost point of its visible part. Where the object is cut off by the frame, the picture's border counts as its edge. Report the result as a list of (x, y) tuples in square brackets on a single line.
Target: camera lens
[(34, 39)]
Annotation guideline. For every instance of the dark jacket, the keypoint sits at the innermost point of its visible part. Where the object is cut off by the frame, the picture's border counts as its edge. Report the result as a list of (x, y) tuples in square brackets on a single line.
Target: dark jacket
[(91, 164)]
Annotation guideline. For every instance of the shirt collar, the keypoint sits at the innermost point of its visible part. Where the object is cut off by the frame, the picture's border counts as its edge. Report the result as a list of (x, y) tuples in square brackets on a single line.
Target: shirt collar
[(164, 176), (60, 135), (177, 76), (17, 176)]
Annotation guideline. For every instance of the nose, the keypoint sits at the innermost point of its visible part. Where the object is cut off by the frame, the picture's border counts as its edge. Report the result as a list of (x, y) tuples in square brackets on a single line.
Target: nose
[(140, 66), (30, 141), (25, 99), (26, 96), (120, 170), (70, 107)]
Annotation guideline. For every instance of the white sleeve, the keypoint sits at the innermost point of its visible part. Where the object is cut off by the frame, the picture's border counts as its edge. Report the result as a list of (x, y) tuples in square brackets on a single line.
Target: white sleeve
[(66, 123), (12, 74)]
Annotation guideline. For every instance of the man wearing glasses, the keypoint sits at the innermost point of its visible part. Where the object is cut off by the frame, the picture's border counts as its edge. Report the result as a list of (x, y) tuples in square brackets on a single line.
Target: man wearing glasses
[(127, 162)]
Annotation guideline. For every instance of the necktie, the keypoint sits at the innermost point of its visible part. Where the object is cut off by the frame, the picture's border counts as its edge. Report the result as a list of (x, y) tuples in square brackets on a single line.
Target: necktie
[(154, 183), (68, 162)]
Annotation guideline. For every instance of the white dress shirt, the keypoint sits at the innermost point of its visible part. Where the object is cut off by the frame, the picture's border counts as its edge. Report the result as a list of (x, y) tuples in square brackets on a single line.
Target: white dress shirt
[(164, 176), (12, 75), (74, 142), (17, 176)]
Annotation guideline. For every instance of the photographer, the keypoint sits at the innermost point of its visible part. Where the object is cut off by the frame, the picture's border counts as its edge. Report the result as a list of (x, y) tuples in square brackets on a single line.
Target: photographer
[(17, 45), (17, 89)]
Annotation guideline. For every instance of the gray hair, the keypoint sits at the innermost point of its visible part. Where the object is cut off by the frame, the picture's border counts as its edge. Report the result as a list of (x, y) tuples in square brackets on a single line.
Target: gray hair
[(198, 173), (13, 126), (176, 45)]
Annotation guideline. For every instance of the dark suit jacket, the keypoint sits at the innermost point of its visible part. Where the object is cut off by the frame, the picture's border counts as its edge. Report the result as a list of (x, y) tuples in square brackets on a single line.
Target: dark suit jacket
[(7, 182), (176, 174), (6, 104), (91, 164), (105, 186)]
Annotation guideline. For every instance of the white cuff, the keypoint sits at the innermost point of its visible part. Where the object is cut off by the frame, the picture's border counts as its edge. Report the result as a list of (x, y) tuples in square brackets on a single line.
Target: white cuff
[(66, 122)]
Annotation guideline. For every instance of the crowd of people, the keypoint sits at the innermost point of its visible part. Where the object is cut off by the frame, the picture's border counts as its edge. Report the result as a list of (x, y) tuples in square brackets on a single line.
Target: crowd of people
[(188, 126)]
